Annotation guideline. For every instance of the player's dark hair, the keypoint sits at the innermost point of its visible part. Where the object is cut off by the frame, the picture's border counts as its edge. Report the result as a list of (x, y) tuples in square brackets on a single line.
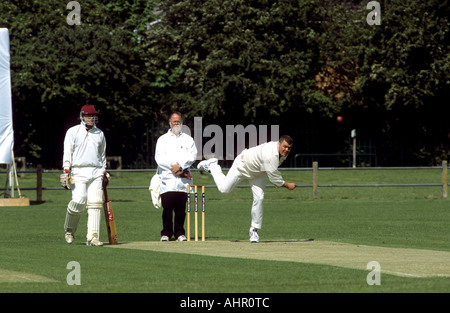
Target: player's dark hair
[(286, 138)]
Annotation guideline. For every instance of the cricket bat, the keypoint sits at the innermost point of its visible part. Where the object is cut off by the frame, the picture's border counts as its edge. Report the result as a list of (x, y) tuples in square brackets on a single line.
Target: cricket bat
[(109, 217)]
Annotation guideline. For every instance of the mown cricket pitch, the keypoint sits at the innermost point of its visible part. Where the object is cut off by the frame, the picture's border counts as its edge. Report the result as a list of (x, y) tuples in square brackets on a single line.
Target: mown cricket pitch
[(396, 261)]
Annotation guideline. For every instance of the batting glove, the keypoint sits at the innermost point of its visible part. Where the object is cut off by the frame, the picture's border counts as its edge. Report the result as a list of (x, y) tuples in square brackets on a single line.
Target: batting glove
[(65, 180), (106, 178)]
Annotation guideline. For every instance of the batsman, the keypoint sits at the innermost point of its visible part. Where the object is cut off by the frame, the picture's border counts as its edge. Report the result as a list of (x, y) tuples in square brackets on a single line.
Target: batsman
[(84, 163)]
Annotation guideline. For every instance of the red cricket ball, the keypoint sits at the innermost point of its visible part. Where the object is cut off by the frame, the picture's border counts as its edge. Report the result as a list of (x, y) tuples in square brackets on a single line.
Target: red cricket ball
[(339, 119)]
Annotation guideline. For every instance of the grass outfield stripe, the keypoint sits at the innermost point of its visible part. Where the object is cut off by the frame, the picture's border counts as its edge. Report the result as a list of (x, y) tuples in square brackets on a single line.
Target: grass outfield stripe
[(396, 261), (32, 238), (7, 276)]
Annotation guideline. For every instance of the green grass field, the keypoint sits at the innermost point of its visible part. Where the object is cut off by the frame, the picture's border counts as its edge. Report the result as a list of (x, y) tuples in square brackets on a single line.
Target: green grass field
[(32, 238)]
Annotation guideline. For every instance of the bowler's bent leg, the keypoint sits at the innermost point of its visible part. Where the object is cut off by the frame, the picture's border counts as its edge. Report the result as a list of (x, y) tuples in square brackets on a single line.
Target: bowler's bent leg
[(225, 183)]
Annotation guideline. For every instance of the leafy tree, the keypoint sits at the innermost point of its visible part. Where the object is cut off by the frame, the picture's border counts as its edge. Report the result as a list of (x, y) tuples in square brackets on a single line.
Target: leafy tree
[(401, 77), (289, 62), (56, 68), (389, 81), (251, 59)]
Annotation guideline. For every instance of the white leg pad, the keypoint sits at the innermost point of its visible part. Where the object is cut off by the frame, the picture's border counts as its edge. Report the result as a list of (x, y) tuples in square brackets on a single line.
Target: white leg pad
[(94, 206), (74, 210)]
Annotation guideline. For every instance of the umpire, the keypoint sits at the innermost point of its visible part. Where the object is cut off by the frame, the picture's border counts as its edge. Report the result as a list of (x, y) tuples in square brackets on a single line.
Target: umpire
[(175, 153)]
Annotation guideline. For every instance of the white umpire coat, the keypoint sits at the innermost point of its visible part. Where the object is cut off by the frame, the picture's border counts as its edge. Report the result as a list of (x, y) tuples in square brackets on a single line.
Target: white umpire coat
[(171, 149)]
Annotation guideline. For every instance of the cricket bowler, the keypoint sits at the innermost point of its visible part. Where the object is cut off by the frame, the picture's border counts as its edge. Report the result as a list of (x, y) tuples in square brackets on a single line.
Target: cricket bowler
[(254, 164), (84, 163)]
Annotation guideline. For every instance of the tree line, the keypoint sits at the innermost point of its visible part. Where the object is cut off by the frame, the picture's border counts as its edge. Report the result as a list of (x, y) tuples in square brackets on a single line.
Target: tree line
[(295, 63)]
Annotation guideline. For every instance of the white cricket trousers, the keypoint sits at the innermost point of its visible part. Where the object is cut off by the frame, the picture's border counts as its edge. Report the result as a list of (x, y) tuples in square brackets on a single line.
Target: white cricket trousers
[(87, 192), (236, 174)]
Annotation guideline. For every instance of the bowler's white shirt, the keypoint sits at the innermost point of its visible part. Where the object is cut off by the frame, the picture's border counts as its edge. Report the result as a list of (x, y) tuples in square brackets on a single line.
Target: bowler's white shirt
[(171, 149), (84, 148), (261, 160)]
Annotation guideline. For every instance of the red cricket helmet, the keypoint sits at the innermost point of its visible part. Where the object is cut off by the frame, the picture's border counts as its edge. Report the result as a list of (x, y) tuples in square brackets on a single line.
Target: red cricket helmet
[(85, 110), (88, 109)]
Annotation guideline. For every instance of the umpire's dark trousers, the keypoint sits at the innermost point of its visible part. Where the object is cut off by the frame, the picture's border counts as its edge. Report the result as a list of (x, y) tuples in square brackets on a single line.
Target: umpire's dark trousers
[(173, 202)]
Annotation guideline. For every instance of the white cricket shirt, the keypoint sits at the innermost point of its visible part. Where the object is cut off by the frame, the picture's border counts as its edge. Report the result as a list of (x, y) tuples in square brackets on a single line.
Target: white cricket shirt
[(84, 148), (261, 160)]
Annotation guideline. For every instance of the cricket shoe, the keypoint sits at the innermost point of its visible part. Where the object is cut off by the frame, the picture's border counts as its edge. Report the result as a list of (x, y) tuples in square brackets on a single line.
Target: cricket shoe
[(204, 165), (69, 237), (164, 238), (182, 238), (254, 237), (94, 242)]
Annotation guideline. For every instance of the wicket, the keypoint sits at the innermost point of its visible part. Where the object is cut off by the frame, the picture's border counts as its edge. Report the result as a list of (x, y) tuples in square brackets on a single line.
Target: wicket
[(195, 187)]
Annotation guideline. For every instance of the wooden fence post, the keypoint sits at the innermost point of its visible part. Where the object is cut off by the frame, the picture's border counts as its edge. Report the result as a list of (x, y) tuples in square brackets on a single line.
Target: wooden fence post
[(39, 183), (315, 178), (444, 178)]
